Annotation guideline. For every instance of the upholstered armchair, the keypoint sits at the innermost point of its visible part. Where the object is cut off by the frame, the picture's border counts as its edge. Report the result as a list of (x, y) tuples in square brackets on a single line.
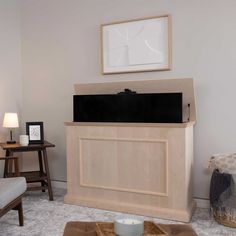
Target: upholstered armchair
[(11, 191)]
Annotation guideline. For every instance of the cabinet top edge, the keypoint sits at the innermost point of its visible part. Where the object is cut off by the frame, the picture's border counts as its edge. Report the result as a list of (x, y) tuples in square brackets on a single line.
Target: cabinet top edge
[(164, 125)]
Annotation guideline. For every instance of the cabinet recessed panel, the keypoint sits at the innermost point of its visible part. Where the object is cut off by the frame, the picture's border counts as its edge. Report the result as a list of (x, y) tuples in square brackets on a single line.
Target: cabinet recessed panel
[(129, 165)]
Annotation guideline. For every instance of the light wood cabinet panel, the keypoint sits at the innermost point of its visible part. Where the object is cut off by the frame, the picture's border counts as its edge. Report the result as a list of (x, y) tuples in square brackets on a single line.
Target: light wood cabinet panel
[(135, 169)]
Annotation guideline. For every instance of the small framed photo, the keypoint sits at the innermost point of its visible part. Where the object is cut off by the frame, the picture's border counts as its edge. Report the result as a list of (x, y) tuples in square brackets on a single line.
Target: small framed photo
[(35, 132)]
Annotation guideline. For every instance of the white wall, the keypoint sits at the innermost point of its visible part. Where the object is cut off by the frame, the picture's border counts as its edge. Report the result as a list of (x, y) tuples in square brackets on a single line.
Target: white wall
[(10, 63), (61, 47)]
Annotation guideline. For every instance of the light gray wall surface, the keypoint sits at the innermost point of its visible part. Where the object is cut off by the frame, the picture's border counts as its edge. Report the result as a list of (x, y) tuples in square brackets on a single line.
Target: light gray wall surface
[(61, 46), (10, 64)]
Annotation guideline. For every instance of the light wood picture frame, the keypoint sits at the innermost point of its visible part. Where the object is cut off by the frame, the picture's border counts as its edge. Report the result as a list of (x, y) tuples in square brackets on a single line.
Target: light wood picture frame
[(136, 45)]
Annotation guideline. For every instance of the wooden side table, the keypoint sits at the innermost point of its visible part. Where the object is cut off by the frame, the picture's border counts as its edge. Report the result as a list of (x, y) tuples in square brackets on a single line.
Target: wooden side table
[(42, 175)]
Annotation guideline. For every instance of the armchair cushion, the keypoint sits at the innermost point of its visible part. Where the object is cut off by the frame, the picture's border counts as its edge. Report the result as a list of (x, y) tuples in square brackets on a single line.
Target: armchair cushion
[(10, 189)]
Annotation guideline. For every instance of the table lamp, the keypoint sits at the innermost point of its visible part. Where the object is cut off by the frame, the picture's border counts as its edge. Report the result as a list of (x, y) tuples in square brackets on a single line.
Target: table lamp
[(10, 121)]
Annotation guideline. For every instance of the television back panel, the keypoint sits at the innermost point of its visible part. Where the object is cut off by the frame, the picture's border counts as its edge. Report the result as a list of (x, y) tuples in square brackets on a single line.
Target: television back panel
[(131, 108)]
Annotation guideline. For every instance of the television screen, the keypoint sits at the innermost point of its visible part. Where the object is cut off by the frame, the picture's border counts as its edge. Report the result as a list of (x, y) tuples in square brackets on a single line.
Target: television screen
[(137, 108)]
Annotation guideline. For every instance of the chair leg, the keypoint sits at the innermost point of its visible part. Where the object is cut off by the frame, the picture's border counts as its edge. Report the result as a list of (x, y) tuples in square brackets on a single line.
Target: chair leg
[(20, 214)]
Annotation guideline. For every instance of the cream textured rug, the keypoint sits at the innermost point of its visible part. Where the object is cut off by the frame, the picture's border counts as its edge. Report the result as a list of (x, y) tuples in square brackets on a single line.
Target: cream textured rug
[(44, 218)]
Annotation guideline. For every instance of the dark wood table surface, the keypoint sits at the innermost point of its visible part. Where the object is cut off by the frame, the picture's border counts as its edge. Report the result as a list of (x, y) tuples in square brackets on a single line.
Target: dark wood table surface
[(31, 147)]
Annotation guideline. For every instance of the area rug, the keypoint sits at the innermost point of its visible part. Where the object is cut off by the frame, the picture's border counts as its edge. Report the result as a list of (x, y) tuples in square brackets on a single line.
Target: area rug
[(48, 218), (79, 228)]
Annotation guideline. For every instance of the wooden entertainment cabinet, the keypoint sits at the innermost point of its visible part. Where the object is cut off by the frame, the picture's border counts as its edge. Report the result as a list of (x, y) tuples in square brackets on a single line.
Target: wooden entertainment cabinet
[(133, 167)]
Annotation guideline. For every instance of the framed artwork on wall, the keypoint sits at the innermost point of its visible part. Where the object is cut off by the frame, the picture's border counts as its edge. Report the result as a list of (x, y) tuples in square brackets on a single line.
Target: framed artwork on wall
[(35, 132), (136, 45)]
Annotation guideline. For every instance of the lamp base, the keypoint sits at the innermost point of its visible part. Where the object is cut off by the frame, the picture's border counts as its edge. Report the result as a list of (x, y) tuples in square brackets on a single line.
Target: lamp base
[(11, 142)]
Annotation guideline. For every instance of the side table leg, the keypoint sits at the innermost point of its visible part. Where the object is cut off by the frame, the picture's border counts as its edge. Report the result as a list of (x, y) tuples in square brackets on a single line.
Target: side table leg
[(41, 168), (7, 165), (10, 165), (45, 159)]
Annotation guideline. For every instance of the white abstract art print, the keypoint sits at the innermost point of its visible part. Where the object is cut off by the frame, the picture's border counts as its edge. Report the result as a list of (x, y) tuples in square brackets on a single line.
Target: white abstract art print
[(34, 132), (137, 45)]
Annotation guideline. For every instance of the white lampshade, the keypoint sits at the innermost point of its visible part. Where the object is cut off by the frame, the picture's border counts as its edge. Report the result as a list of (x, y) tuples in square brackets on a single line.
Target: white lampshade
[(10, 120)]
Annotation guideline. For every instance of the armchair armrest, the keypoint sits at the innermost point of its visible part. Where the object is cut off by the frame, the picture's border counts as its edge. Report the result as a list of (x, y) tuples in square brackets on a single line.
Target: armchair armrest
[(8, 164), (4, 158)]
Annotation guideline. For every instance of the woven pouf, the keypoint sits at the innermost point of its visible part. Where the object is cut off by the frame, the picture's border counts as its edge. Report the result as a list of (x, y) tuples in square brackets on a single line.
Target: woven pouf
[(223, 190)]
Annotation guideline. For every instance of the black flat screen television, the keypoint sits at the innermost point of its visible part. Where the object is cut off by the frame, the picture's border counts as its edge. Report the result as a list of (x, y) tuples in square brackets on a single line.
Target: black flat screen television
[(132, 108)]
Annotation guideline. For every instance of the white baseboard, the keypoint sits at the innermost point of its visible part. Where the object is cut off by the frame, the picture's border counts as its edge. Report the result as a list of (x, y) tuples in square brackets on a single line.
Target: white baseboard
[(201, 203), (59, 184)]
